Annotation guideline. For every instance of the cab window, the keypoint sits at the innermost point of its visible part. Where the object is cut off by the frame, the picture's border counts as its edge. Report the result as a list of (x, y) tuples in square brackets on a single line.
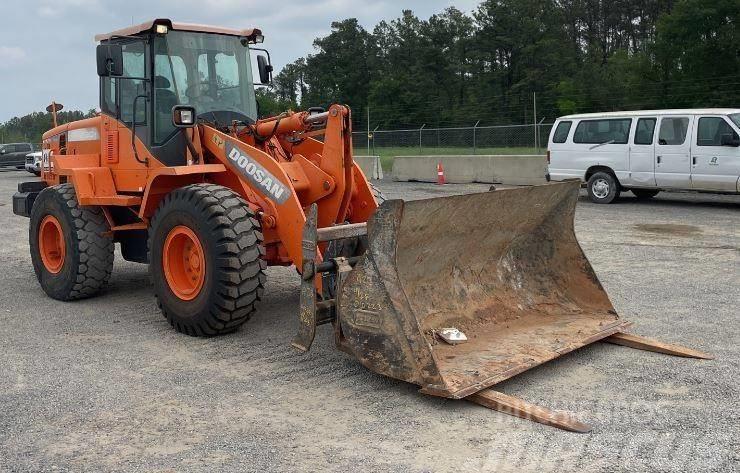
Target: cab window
[(170, 86), (134, 65), (108, 96), (711, 130)]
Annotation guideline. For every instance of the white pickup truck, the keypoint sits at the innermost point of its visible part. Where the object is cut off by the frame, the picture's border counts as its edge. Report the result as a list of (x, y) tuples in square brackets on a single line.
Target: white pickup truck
[(647, 151)]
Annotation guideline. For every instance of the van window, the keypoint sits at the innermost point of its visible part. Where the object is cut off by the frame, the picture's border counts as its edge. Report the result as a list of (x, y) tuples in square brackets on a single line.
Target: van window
[(612, 131), (561, 132), (673, 131), (711, 129), (645, 131)]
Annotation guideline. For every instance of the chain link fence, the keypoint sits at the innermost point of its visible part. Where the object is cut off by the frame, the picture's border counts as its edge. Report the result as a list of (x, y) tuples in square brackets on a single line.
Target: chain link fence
[(503, 139)]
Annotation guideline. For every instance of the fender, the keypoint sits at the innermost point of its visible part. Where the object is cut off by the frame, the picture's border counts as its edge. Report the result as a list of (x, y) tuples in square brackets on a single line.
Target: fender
[(166, 179)]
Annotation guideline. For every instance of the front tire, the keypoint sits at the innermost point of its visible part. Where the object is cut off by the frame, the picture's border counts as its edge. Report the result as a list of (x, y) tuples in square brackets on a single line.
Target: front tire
[(71, 246), (206, 259), (603, 188)]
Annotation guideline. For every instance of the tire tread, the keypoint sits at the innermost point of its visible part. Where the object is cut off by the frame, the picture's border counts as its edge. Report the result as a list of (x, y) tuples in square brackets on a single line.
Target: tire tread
[(240, 262)]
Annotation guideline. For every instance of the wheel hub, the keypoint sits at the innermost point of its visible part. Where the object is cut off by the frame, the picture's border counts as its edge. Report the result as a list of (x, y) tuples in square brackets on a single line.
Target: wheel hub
[(51, 244), (183, 261), (600, 188)]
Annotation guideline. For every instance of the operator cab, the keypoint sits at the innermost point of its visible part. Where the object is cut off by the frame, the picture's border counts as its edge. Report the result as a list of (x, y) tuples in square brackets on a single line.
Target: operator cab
[(148, 69)]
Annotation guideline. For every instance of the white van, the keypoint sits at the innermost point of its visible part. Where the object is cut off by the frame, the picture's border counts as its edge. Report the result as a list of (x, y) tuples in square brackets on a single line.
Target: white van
[(647, 151)]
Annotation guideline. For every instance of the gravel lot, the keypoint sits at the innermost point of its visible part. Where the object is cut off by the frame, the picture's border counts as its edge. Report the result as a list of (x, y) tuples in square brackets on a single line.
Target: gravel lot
[(106, 384)]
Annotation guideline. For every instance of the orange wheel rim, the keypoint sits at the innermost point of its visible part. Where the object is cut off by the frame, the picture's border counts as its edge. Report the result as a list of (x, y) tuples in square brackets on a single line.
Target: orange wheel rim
[(183, 260), (51, 244)]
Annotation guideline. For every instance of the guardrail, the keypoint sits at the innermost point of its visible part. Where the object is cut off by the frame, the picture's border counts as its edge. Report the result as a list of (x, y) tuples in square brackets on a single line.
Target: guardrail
[(370, 165), (462, 169)]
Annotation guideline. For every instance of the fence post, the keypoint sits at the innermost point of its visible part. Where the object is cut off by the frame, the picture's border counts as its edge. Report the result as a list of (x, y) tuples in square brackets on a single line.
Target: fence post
[(534, 95), (537, 131), (373, 140), (420, 130), (474, 130), (368, 129)]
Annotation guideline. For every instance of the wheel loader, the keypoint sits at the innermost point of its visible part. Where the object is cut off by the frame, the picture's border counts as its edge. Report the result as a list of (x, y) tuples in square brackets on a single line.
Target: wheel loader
[(453, 294)]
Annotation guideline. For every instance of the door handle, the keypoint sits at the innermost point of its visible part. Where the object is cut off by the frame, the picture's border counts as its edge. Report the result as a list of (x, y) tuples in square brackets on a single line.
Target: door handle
[(658, 158), (693, 160)]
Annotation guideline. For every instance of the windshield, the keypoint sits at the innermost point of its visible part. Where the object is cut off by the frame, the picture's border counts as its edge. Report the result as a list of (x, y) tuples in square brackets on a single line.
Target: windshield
[(735, 117), (211, 72)]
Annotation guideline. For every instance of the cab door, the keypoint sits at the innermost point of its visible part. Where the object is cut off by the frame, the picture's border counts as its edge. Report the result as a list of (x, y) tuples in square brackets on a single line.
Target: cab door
[(673, 151), (714, 166)]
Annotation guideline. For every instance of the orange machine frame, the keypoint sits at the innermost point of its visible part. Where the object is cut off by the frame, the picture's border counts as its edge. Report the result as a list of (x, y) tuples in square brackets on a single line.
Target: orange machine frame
[(96, 157)]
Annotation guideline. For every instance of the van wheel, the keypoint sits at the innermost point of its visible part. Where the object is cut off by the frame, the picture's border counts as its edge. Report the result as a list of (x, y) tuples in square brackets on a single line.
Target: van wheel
[(643, 194), (603, 188)]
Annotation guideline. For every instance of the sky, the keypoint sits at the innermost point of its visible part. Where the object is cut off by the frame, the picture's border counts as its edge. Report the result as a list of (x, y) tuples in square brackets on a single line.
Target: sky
[(47, 50)]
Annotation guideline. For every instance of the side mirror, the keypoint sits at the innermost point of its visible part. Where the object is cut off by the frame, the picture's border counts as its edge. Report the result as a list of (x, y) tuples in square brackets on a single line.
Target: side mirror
[(183, 116), (110, 60), (730, 140), (265, 69)]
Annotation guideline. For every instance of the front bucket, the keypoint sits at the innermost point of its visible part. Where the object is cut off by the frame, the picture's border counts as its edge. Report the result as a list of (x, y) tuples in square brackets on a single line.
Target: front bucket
[(502, 267)]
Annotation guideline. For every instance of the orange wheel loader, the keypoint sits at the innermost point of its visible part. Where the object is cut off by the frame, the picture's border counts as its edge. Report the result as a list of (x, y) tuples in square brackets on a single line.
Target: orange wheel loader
[(453, 294)]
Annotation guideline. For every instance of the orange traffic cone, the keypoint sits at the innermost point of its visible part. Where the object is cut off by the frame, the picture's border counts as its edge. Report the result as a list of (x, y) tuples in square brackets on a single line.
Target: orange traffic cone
[(440, 175)]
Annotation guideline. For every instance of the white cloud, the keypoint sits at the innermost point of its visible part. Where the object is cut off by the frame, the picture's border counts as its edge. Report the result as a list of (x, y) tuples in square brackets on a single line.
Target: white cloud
[(11, 56), (49, 8)]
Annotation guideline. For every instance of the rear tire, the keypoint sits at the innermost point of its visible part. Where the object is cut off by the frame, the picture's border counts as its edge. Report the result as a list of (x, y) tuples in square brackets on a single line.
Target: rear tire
[(603, 188), (644, 194), (228, 259), (73, 258)]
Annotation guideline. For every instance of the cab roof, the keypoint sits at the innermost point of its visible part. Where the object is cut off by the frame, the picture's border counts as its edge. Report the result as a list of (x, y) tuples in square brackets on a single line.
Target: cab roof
[(149, 25)]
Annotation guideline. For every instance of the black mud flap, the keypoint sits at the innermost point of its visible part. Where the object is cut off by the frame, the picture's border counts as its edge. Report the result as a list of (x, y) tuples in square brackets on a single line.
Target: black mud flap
[(24, 198)]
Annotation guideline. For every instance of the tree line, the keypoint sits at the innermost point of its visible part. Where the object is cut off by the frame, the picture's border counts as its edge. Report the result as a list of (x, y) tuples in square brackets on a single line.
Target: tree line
[(29, 128), (454, 69)]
